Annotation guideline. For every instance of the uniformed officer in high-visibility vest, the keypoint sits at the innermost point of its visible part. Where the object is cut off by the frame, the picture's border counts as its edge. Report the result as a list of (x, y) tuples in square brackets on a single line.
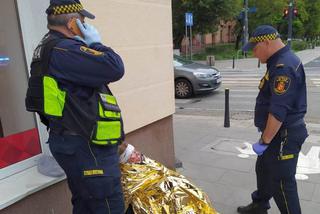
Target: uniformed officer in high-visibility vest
[(68, 88), (279, 114)]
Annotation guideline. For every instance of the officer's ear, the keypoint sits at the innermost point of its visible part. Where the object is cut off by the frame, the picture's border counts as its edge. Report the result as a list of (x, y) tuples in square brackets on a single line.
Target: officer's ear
[(73, 27), (69, 24)]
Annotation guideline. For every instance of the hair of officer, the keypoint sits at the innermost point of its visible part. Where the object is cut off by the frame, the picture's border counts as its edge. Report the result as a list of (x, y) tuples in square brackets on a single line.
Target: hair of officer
[(62, 19)]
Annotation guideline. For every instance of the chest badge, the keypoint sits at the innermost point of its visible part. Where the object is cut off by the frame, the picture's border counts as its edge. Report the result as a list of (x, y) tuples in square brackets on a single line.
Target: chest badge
[(281, 84)]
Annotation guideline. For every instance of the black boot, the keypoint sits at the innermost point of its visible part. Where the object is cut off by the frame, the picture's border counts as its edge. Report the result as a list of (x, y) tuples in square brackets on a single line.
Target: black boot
[(252, 208)]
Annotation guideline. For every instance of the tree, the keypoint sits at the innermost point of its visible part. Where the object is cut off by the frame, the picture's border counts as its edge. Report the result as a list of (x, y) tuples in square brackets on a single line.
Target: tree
[(268, 12), (271, 13), (206, 15), (312, 24)]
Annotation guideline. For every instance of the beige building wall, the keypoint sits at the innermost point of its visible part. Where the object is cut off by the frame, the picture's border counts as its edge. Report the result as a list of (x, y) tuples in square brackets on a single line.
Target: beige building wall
[(141, 32)]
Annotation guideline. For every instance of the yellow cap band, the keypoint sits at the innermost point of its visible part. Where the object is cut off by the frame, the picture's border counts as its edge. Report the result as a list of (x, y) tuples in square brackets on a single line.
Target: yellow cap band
[(69, 8), (262, 38)]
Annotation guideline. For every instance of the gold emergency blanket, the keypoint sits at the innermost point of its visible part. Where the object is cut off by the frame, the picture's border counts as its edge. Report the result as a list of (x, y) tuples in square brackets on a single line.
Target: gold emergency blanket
[(151, 188)]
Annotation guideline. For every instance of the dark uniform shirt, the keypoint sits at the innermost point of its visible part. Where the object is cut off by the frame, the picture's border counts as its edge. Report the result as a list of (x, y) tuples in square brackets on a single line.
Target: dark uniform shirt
[(282, 90), (80, 69)]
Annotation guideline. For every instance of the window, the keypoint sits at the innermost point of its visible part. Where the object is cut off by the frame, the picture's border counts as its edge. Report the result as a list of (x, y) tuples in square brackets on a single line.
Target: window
[(19, 138)]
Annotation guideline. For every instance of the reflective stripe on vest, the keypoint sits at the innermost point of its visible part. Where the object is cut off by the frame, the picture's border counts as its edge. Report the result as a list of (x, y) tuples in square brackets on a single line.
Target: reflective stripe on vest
[(108, 114), (108, 129), (54, 98), (109, 107)]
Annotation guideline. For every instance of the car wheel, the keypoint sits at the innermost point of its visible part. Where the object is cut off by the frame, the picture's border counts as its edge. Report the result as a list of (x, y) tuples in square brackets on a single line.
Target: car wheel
[(183, 88)]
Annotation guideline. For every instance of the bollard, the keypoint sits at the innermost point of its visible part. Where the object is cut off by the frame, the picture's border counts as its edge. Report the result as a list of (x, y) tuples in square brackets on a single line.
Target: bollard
[(210, 60), (233, 58), (226, 109), (259, 63)]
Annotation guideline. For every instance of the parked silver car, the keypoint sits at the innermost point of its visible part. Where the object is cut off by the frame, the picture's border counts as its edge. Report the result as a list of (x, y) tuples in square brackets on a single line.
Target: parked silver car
[(193, 78)]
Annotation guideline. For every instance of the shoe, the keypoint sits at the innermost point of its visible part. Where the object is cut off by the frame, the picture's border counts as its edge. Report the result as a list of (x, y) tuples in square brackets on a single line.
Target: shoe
[(252, 208)]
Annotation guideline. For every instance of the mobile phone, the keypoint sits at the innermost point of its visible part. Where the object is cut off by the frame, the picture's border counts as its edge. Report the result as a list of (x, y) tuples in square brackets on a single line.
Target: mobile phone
[(74, 27)]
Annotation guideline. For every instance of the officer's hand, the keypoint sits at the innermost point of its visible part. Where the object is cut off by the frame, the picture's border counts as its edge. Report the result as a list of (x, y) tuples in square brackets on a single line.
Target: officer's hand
[(89, 32), (259, 148)]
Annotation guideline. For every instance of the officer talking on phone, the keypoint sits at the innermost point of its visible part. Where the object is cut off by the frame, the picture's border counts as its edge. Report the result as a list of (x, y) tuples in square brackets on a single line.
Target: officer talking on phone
[(68, 88)]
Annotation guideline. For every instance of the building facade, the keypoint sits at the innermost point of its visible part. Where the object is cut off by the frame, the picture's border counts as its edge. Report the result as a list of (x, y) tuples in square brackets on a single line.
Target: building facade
[(224, 34), (141, 32)]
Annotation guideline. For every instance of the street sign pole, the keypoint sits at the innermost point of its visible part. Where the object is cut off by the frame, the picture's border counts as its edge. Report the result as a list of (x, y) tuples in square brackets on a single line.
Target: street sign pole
[(290, 17), (245, 21), (186, 41), (189, 23), (190, 42)]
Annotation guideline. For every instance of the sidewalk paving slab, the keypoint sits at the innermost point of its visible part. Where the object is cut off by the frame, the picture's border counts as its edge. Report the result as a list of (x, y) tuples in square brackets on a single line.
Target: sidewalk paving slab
[(226, 178)]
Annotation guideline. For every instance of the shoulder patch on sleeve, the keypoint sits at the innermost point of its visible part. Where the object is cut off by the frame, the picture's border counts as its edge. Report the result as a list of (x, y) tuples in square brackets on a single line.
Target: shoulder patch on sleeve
[(90, 51), (280, 65), (281, 84)]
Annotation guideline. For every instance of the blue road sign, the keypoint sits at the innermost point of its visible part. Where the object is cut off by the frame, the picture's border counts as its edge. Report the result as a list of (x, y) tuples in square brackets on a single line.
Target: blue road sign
[(252, 10), (189, 19)]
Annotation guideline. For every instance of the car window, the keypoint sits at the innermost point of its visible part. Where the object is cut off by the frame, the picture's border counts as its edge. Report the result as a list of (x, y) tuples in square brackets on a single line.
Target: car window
[(179, 61), (176, 63)]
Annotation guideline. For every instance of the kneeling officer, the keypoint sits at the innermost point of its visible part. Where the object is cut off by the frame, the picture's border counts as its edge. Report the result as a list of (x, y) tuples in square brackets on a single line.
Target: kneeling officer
[(68, 88)]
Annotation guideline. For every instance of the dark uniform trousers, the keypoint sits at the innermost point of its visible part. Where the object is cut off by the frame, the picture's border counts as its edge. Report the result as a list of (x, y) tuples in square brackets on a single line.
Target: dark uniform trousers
[(101, 194), (276, 177)]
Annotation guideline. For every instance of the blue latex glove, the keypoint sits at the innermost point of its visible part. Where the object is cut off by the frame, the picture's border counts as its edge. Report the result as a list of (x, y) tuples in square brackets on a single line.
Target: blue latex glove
[(259, 147), (90, 33)]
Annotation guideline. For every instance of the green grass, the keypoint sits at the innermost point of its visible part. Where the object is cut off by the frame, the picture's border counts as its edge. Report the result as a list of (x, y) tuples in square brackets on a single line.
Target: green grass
[(220, 52), (227, 51), (299, 45)]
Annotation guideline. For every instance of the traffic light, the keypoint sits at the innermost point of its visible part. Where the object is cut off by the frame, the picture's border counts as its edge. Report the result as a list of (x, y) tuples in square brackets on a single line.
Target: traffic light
[(295, 12), (286, 13)]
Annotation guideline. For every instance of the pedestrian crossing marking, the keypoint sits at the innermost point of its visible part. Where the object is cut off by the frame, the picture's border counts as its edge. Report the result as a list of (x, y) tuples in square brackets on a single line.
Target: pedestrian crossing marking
[(252, 79)]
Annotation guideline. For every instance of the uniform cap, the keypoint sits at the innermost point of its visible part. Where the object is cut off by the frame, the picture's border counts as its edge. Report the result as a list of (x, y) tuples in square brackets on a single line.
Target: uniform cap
[(58, 7), (260, 34)]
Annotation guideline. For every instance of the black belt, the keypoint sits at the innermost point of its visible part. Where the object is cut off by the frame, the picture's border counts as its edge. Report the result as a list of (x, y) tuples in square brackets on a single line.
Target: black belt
[(294, 124), (284, 130)]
